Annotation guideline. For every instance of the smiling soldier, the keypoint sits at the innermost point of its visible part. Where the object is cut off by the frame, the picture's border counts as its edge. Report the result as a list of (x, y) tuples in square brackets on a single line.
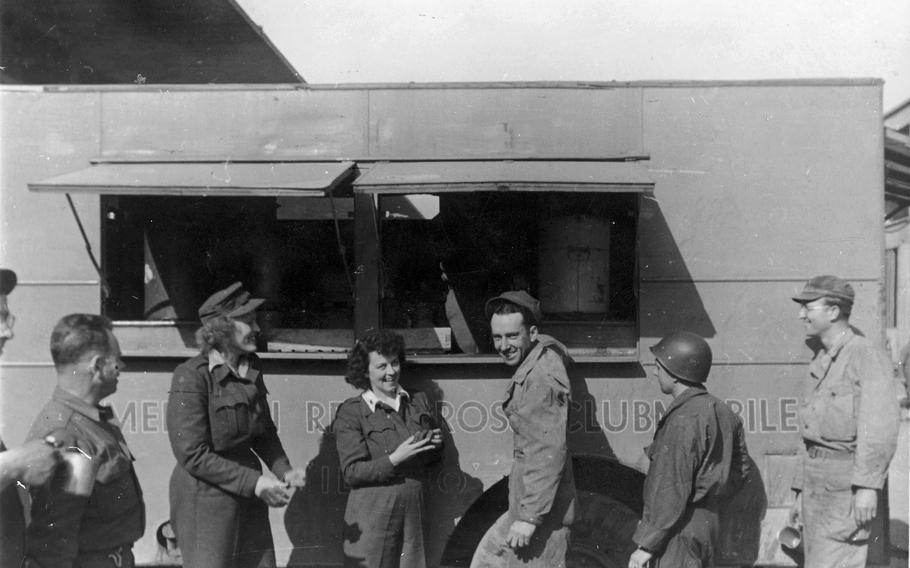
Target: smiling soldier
[(849, 422), (535, 531)]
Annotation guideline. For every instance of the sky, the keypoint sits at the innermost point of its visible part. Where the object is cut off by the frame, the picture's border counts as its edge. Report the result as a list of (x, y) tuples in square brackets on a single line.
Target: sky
[(391, 41)]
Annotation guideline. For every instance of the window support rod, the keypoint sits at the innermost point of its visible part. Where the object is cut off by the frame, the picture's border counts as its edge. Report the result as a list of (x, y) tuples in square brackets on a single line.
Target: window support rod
[(105, 289)]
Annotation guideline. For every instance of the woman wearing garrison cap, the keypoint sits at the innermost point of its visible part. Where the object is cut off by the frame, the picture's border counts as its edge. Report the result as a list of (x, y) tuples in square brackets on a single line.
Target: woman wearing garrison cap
[(219, 425)]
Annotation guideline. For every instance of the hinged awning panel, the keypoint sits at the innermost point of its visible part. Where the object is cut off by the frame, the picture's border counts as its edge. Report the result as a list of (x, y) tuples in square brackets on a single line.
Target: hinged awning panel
[(434, 177), (299, 179)]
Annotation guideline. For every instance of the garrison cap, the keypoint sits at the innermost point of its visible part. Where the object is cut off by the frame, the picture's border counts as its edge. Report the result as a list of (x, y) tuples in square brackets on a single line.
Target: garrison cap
[(519, 298), (825, 286), (7, 281), (231, 302)]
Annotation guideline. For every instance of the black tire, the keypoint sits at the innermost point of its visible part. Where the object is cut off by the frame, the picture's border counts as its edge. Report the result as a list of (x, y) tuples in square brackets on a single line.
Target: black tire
[(607, 511)]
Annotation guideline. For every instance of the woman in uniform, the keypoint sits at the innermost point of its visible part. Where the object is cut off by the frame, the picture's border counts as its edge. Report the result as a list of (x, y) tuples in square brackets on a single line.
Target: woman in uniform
[(386, 438), (219, 426)]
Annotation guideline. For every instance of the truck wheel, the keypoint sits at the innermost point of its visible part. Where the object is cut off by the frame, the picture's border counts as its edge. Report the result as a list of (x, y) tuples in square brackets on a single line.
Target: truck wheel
[(602, 532), (601, 535)]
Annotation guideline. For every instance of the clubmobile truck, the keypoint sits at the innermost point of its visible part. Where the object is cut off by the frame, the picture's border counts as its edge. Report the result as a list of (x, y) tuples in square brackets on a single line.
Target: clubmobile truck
[(631, 209)]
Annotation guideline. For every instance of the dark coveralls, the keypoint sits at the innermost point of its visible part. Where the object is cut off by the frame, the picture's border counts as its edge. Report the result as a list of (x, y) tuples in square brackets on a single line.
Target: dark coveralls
[(541, 483), (97, 531), (216, 420), (12, 525), (698, 457), (849, 418), (384, 517)]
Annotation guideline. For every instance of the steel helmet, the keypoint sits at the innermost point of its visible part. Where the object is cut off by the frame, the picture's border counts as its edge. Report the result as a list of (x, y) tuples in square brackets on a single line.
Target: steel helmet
[(684, 355)]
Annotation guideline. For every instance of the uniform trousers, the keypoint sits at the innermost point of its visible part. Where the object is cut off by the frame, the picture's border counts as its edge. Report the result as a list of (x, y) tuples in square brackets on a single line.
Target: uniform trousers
[(384, 526), (831, 537), (547, 549), (216, 529)]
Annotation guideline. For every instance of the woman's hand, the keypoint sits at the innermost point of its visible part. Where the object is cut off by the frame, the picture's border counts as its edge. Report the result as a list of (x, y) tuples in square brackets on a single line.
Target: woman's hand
[(435, 437), (641, 558), (296, 477), (275, 493), (410, 448)]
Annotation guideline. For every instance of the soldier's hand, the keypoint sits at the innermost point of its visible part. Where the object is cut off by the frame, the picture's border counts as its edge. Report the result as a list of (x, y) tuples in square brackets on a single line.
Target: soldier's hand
[(436, 437), (275, 493), (641, 558), (865, 505), (35, 461), (520, 534)]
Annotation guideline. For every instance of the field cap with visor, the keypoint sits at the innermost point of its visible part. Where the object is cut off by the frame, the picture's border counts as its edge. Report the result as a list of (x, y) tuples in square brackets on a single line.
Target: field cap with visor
[(825, 286), (519, 298), (231, 302)]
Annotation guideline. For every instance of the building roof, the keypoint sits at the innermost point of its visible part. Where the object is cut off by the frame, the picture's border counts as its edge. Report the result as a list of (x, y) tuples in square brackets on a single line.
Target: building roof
[(898, 118), (135, 41)]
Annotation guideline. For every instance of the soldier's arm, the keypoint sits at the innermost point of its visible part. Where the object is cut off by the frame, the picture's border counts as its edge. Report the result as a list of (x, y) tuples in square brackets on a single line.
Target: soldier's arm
[(544, 421), (669, 483), (878, 418)]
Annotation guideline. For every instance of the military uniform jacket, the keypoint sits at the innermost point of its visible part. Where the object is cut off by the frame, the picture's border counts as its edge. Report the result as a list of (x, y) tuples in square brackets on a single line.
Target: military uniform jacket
[(12, 525), (541, 484), (65, 526), (698, 456), (216, 420), (850, 405), (365, 438)]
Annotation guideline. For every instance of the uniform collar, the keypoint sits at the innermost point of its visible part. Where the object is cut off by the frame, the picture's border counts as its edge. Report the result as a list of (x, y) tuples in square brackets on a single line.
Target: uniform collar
[(216, 360), (823, 359), (372, 400), (543, 343), (71, 401), (685, 397), (839, 343)]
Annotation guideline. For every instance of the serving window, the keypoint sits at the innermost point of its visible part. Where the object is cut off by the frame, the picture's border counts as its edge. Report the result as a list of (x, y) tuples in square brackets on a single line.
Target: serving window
[(452, 235), (337, 249), (174, 233)]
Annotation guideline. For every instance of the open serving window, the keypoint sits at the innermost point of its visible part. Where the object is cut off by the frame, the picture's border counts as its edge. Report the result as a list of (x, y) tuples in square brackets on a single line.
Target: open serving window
[(413, 246), (173, 233), (436, 239)]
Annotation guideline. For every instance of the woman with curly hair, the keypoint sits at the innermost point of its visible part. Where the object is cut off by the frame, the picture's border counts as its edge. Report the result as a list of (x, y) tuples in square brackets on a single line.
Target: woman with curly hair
[(386, 438), (219, 426)]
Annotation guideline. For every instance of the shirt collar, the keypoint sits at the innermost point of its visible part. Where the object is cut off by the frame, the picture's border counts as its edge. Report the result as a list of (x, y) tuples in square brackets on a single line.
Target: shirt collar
[(839, 343), (371, 399), (216, 359), (96, 413), (683, 398)]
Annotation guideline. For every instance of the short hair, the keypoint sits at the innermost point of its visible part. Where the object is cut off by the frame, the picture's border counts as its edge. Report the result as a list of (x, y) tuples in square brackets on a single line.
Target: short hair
[(215, 333), (76, 335), (382, 341), (503, 307), (846, 306)]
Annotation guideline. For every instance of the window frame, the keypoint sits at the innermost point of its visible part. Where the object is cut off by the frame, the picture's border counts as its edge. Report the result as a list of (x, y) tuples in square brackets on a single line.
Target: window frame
[(368, 244)]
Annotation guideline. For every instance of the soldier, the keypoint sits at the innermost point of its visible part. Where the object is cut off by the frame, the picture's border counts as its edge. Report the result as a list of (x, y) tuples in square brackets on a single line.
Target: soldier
[(849, 418), (92, 516), (31, 464), (535, 530), (698, 458)]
